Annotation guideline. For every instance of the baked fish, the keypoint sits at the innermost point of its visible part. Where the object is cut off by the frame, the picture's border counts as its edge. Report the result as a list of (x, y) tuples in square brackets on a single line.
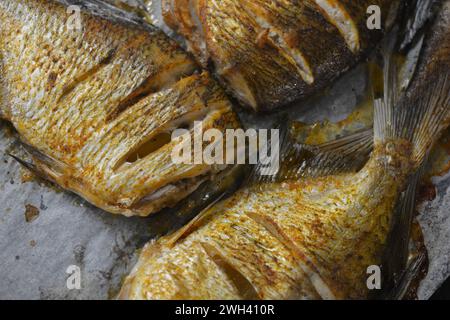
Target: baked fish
[(312, 237), (96, 105), (270, 53)]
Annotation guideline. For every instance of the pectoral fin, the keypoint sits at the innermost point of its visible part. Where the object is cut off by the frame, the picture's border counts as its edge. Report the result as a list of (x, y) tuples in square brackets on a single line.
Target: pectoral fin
[(344, 154)]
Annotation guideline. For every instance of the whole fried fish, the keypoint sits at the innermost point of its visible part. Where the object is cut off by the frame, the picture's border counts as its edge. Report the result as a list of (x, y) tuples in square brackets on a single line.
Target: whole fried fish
[(270, 53), (95, 101), (311, 237)]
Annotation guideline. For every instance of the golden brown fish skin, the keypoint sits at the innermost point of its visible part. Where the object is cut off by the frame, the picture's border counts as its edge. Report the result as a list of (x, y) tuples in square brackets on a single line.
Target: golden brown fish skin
[(306, 239), (313, 238), (91, 101), (270, 53), (183, 16)]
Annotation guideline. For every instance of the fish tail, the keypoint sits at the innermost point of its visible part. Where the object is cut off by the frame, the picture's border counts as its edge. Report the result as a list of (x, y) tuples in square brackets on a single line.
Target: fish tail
[(433, 118), (413, 269), (408, 124), (398, 271), (419, 116)]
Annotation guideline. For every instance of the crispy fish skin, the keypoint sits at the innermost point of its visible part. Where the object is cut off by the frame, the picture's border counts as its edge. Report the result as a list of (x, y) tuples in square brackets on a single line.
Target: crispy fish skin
[(270, 53), (295, 240), (96, 106), (307, 238)]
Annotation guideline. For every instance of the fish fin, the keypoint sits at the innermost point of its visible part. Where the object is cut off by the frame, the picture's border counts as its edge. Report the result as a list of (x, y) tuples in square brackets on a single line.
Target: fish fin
[(418, 117), (55, 166), (345, 154), (42, 166), (193, 207), (109, 12), (409, 275), (28, 165), (32, 168), (198, 220), (358, 142), (418, 13), (398, 246), (259, 172)]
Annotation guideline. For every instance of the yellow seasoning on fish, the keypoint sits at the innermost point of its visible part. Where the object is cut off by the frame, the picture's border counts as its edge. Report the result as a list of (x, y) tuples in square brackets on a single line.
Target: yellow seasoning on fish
[(95, 102), (314, 237), (270, 53)]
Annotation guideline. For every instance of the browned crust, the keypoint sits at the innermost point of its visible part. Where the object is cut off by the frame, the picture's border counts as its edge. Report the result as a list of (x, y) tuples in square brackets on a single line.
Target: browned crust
[(253, 63)]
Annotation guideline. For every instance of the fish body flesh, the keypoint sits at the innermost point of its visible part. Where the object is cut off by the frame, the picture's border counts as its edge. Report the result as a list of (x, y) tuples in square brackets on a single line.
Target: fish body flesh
[(96, 106), (294, 240), (270, 53)]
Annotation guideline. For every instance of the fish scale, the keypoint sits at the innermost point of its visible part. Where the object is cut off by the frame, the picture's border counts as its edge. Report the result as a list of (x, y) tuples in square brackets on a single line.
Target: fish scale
[(295, 47), (325, 221), (88, 99)]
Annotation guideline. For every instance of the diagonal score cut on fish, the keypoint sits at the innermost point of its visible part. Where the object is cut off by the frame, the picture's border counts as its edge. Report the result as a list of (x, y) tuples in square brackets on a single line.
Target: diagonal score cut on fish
[(271, 53), (96, 106), (313, 237)]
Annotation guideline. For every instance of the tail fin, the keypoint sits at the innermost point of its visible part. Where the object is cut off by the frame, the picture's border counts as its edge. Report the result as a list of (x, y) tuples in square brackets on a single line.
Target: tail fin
[(397, 274), (418, 117), (426, 123), (423, 112), (408, 277)]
